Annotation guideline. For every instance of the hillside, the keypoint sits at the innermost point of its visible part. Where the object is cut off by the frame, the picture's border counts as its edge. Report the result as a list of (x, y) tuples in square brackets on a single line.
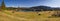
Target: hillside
[(27, 16)]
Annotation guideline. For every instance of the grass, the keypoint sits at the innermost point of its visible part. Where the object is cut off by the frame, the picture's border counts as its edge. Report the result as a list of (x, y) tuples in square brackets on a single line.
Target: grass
[(27, 16)]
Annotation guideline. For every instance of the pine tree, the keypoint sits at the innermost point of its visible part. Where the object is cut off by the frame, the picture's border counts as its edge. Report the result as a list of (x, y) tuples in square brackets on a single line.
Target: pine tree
[(3, 5)]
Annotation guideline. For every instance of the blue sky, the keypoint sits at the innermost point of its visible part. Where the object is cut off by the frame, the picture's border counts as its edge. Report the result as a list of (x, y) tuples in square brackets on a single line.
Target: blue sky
[(29, 3)]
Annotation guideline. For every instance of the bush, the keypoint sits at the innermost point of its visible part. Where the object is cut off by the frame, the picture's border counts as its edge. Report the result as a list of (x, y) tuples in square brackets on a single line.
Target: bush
[(56, 15)]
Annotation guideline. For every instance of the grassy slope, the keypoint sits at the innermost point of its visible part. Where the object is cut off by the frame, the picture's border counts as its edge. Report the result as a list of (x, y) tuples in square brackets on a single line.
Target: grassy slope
[(26, 16)]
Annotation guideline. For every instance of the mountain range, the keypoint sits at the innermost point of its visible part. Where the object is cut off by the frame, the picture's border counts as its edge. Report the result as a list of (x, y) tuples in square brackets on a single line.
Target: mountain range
[(37, 8)]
